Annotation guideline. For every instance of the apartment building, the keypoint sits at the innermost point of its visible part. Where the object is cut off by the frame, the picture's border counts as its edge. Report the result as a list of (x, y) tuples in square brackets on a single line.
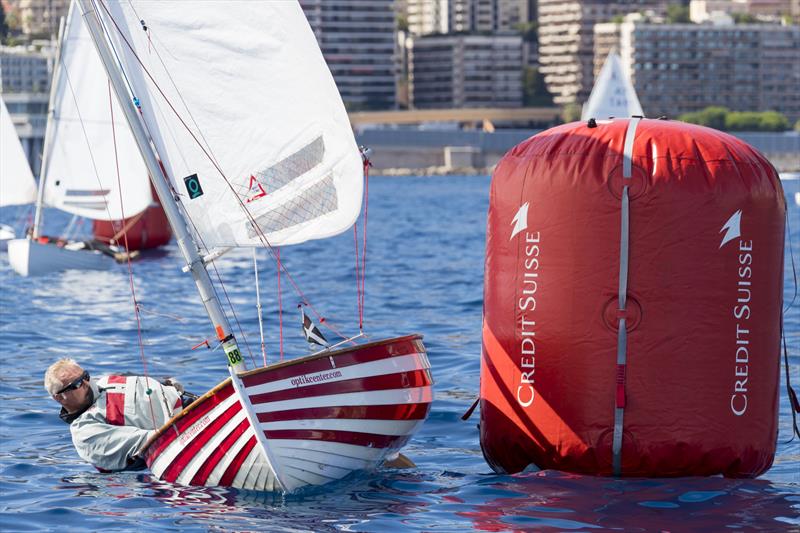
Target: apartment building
[(40, 17), (465, 71), (678, 68), (357, 38), (464, 16), (24, 69), (566, 42)]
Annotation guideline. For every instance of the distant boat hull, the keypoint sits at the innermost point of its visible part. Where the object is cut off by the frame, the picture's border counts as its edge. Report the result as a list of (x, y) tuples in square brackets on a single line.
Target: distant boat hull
[(33, 258), (147, 230), (6, 234), (308, 421)]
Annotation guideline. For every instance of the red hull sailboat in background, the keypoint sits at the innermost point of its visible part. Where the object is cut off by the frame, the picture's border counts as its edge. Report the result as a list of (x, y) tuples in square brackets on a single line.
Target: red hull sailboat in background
[(149, 229)]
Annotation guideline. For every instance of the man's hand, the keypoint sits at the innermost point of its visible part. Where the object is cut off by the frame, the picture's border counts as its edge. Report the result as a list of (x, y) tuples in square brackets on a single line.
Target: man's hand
[(172, 382)]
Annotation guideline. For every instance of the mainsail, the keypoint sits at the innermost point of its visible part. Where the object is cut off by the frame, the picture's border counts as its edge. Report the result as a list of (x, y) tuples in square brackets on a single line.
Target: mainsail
[(613, 94), (242, 111), (16, 180), (89, 142)]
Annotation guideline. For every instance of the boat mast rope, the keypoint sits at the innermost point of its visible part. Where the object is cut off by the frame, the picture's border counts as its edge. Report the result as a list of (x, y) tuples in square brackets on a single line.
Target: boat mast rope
[(136, 313), (205, 150)]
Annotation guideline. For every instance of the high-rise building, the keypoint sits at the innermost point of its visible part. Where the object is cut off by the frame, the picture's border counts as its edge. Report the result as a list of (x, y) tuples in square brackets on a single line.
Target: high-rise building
[(41, 17), (24, 69), (464, 16), (679, 68), (466, 71), (357, 38), (566, 42), (425, 16), (25, 83), (703, 10)]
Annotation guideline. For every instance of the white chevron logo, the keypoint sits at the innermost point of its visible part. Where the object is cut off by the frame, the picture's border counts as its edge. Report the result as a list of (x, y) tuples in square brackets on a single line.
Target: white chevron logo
[(732, 228), (520, 220)]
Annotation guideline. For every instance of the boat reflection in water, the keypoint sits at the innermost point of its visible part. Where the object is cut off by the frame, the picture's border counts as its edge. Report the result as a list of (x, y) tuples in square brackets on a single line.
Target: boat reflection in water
[(551, 499)]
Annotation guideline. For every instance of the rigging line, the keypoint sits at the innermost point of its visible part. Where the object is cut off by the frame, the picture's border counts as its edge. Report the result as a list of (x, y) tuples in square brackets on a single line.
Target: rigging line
[(83, 129), (367, 164), (235, 317), (143, 309), (172, 81), (107, 33), (791, 256), (230, 304), (358, 279), (251, 219), (280, 301), (128, 255), (258, 309)]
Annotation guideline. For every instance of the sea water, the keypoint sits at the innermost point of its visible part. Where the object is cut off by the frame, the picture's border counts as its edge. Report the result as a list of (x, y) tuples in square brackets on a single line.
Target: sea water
[(424, 266)]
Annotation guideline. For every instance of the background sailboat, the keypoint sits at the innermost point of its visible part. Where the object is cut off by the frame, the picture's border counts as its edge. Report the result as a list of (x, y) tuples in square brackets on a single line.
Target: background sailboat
[(613, 94), (238, 105), (90, 161), (17, 186)]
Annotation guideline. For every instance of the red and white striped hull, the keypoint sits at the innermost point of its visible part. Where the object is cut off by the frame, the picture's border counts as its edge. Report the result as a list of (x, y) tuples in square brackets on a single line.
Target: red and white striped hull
[(303, 422)]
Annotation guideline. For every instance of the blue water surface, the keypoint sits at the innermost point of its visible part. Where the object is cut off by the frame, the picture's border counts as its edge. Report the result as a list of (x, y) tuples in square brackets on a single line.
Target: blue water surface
[(425, 247)]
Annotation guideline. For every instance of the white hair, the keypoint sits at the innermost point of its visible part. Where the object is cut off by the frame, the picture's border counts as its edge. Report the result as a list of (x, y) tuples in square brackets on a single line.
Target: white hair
[(53, 378)]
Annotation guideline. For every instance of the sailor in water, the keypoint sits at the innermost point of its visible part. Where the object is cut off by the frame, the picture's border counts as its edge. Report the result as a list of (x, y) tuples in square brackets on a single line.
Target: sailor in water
[(111, 418)]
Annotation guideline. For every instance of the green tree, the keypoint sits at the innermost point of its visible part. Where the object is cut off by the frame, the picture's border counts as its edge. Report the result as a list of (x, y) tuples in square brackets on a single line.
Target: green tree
[(744, 18), (773, 121), (571, 112), (797, 125), (529, 31), (534, 90), (723, 119), (402, 23), (3, 25), (742, 121), (678, 14)]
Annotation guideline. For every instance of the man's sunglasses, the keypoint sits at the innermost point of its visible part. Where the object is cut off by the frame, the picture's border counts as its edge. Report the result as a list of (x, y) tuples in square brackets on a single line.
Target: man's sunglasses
[(75, 384)]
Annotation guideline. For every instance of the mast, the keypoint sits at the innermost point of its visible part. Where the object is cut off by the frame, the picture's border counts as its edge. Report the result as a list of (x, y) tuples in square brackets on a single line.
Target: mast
[(179, 226), (37, 218)]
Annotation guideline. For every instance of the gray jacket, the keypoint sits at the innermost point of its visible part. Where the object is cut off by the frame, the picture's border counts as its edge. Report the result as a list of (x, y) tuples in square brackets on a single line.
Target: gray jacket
[(121, 419)]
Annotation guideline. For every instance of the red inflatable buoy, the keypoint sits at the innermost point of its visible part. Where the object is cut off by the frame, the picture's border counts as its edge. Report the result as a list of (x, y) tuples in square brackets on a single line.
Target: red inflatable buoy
[(632, 303)]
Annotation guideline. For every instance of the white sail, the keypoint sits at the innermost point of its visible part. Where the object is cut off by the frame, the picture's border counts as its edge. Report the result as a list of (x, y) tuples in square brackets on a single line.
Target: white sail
[(80, 173), (16, 180), (239, 95), (613, 94)]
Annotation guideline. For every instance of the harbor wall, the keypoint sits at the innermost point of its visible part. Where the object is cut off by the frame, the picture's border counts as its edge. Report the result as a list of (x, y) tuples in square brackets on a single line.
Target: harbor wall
[(433, 152)]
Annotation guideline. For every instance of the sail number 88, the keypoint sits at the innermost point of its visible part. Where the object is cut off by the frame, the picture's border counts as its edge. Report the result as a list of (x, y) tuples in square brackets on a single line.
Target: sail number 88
[(234, 356)]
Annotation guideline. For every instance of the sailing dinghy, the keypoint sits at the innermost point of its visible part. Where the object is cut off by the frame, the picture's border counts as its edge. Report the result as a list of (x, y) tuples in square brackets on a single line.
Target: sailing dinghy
[(613, 94), (17, 186), (90, 161), (248, 144)]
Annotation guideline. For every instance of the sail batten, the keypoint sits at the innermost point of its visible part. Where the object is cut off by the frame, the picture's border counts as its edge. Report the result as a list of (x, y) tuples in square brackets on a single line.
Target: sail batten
[(259, 123)]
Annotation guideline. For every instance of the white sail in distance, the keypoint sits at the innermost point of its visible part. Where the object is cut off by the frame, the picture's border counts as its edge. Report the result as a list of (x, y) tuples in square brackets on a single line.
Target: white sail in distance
[(613, 94), (17, 185), (80, 174), (241, 105)]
